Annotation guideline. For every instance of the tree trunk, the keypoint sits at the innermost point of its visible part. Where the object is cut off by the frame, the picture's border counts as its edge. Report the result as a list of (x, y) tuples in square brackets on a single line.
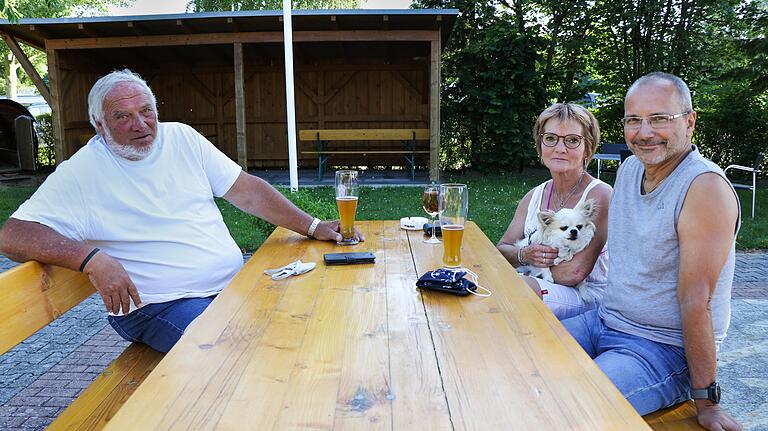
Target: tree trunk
[(12, 79)]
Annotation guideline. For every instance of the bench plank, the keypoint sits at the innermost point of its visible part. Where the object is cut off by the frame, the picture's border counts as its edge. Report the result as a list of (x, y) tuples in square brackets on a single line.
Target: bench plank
[(93, 408), (363, 134), (679, 417), (33, 295)]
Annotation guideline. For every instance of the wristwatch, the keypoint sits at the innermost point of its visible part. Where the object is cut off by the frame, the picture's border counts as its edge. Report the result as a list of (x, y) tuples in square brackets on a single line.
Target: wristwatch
[(712, 393), (312, 227)]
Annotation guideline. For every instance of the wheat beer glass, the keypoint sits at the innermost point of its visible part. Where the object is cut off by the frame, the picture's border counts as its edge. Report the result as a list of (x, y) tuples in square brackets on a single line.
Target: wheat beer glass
[(453, 204), (430, 205), (346, 201)]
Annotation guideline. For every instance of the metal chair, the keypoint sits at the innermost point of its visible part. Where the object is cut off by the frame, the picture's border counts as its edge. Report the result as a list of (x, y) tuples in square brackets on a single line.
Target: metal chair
[(614, 152), (755, 170)]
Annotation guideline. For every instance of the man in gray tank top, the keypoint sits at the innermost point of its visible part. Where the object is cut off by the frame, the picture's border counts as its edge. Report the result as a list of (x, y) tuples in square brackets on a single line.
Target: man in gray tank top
[(672, 226)]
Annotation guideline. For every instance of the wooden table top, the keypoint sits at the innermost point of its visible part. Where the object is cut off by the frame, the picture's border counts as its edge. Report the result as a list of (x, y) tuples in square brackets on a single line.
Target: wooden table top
[(359, 347)]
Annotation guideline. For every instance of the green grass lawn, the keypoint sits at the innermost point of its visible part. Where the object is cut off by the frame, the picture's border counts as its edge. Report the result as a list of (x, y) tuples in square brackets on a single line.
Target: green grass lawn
[(492, 203)]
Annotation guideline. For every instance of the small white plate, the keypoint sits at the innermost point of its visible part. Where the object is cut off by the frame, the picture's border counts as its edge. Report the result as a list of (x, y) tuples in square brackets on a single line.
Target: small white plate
[(413, 223)]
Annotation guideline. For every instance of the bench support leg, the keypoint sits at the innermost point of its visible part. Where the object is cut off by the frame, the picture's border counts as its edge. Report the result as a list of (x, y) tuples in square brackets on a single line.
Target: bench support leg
[(410, 159), (322, 159)]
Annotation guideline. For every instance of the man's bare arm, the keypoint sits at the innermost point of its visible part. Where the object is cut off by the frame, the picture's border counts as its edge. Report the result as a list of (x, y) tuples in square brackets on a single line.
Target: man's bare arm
[(25, 240), (706, 230), (256, 197)]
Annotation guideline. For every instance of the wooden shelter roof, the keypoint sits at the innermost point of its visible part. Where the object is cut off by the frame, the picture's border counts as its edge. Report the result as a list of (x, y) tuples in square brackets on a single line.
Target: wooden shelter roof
[(36, 32)]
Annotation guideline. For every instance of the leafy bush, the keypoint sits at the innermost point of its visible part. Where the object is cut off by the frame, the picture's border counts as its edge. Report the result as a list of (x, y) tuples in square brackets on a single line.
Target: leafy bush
[(732, 124), (491, 92), (46, 155)]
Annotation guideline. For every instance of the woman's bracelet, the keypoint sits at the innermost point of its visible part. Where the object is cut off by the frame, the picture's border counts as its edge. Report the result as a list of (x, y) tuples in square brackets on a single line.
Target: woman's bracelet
[(520, 255)]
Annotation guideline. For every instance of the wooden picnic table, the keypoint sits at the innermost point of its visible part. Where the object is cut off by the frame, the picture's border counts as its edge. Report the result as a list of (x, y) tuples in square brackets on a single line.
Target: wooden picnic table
[(359, 347)]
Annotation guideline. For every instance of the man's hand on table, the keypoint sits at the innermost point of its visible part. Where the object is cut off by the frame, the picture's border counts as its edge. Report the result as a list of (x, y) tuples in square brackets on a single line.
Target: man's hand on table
[(329, 231), (713, 418), (112, 282)]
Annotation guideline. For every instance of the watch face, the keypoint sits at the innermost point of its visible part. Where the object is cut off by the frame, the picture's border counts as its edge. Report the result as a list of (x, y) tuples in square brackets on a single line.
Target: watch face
[(715, 393)]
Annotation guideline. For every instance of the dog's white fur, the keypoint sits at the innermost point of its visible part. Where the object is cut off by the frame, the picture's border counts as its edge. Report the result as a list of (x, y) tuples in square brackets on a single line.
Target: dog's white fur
[(568, 230)]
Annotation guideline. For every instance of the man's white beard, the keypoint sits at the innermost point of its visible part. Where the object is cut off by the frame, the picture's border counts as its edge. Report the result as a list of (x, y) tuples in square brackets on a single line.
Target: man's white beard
[(128, 152)]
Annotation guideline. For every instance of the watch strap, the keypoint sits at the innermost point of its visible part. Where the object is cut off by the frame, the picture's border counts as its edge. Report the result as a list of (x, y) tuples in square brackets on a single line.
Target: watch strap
[(711, 393), (312, 227), (700, 394)]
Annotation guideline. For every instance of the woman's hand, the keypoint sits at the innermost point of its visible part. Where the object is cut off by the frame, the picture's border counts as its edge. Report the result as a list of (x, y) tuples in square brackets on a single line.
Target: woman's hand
[(539, 255)]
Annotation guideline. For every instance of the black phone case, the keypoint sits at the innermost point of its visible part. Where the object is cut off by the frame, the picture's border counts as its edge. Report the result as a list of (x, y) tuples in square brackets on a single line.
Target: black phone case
[(349, 258), (428, 230)]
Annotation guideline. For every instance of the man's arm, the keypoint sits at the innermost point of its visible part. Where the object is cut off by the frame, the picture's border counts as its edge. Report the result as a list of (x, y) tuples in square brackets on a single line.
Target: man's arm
[(257, 197), (705, 228), (25, 240)]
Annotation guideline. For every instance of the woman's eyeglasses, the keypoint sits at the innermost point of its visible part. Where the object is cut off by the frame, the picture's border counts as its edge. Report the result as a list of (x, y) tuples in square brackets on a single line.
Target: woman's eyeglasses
[(571, 141)]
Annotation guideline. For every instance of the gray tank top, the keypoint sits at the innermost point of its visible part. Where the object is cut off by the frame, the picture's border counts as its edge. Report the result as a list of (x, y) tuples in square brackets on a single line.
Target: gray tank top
[(641, 297)]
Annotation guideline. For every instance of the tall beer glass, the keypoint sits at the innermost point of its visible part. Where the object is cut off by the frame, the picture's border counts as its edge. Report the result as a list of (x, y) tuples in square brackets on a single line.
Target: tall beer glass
[(346, 201), (453, 205)]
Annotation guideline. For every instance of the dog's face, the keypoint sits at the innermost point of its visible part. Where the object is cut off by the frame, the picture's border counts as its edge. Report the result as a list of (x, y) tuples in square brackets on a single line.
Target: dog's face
[(570, 228)]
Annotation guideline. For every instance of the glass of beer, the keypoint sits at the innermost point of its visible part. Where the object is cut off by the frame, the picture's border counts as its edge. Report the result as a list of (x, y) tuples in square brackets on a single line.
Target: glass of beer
[(453, 204), (430, 205), (346, 201)]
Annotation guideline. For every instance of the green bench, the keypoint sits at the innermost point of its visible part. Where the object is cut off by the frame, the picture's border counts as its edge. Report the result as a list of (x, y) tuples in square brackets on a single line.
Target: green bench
[(408, 137)]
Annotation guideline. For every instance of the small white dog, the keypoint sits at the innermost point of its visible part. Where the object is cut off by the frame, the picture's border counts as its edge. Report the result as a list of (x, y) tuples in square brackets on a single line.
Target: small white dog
[(569, 231)]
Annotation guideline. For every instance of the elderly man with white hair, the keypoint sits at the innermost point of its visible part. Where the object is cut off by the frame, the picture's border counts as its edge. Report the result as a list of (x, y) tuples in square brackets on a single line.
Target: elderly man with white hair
[(134, 209)]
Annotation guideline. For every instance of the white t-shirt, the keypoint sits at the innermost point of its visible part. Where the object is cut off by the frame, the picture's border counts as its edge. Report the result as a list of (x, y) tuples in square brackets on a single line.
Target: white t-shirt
[(156, 216)]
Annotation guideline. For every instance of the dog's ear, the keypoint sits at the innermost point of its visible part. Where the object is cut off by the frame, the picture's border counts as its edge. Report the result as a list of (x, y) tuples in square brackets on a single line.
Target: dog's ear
[(588, 208), (546, 217)]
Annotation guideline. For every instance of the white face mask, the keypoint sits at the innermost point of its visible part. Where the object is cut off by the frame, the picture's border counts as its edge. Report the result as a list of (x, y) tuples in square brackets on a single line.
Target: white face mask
[(128, 152)]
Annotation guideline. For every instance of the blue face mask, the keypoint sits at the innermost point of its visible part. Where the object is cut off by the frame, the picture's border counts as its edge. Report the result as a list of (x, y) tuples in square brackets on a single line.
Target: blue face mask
[(451, 281)]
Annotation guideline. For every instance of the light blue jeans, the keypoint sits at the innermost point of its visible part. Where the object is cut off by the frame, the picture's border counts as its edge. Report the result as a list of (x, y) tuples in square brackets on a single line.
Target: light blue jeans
[(159, 325), (650, 375)]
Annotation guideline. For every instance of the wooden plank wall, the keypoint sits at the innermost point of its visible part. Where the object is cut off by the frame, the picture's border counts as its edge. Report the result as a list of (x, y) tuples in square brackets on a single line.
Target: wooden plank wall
[(349, 85)]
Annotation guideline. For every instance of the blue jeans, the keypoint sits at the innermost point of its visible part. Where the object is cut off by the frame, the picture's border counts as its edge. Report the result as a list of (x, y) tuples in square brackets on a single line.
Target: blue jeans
[(159, 325), (650, 375)]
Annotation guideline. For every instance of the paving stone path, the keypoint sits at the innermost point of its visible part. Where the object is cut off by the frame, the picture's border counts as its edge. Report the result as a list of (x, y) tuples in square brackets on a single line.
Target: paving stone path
[(41, 376)]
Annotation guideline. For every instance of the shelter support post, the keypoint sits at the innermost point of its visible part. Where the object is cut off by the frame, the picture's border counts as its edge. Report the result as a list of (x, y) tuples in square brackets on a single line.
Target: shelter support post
[(57, 115), (242, 149), (27, 66), (434, 107)]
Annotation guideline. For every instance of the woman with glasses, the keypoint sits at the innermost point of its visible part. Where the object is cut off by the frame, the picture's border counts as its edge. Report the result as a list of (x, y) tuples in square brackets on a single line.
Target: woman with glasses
[(566, 136)]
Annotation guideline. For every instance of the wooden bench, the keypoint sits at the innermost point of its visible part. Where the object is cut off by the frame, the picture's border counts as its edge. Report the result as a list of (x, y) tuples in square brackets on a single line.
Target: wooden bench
[(33, 295), (407, 136), (679, 417)]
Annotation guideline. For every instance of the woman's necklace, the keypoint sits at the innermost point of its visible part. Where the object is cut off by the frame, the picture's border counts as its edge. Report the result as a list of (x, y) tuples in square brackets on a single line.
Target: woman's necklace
[(562, 201)]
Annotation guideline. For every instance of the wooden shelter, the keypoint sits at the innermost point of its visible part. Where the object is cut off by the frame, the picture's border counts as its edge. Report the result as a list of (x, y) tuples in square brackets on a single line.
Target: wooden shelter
[(223, 73)]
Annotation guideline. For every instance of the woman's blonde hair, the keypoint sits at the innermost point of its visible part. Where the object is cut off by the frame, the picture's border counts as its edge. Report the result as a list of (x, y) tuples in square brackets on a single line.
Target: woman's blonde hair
[(570, 111)]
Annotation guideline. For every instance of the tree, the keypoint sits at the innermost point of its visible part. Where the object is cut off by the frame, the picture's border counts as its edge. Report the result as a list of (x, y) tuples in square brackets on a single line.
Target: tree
[(491, 89), (8, 10), (234, 5), (14, 9)]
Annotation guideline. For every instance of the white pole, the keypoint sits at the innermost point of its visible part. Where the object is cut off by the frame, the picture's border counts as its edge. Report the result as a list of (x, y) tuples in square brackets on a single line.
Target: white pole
[(289, 99)]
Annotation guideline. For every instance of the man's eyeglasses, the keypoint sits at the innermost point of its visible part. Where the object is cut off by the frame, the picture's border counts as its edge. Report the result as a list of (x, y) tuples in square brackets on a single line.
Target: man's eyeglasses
[(656, 121), (571, 141)]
